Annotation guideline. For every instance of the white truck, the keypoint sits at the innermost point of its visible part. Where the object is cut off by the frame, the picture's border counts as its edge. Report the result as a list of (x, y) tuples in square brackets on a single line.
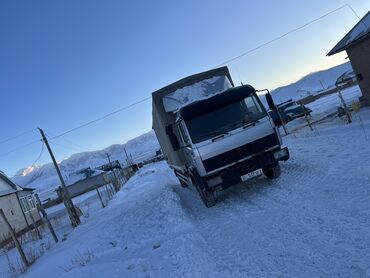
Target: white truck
[(214, 135)]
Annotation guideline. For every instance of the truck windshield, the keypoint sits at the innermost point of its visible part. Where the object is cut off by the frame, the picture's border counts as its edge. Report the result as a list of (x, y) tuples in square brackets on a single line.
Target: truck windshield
[(225, 119)]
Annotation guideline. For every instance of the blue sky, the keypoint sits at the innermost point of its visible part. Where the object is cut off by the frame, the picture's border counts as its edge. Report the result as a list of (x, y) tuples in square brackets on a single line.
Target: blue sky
[(63, 63)]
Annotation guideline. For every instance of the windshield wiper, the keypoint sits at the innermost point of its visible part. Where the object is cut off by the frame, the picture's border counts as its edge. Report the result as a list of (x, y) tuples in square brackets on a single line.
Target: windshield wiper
[(219, 136), (244, 124), (213, 135), (253, 123)]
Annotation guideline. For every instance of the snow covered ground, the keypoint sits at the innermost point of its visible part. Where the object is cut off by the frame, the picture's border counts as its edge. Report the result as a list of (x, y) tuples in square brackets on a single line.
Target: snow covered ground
[(314, 221)]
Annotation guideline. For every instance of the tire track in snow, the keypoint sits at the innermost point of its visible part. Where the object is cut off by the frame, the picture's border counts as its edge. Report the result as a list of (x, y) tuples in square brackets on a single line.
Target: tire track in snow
[(217, 227), (223, 226)]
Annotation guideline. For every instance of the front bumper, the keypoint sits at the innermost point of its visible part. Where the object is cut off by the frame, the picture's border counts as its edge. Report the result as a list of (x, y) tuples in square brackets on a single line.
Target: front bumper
[(231, 175)]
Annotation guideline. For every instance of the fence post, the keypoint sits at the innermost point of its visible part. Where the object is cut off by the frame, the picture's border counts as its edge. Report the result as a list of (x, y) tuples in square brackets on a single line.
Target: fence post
[(40, 207), (345, 106), (109, 194), (34, 224), (15, 239), (101, 200), (305, 115)]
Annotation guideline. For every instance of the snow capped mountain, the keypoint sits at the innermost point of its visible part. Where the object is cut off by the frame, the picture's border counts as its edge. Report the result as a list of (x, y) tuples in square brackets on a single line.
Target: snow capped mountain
[(311, 83), (44, 177)]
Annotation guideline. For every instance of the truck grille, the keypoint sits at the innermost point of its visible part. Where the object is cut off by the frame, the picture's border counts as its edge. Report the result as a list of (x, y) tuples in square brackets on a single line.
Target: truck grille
[(241, 152)]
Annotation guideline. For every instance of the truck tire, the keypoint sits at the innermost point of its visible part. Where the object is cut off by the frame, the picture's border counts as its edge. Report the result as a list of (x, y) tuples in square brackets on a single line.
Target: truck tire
[(273, 172), (183, 184), (208, 197)]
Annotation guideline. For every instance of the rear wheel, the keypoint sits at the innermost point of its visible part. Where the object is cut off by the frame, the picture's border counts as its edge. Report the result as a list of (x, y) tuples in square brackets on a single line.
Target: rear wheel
[(183, 184), (273, 172), (208, 197)]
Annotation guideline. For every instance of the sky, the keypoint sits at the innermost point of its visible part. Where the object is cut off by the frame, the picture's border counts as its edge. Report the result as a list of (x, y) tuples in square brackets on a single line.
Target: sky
[(65, 63)]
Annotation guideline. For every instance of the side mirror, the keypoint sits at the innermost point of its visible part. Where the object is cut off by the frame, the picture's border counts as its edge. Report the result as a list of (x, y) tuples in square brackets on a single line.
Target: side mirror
[(173, 139), (270, 102), (275, 117)]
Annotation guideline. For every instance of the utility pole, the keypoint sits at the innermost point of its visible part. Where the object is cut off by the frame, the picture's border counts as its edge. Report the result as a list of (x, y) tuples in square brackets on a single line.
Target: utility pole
[(116, 183), (15, 239), (127, 158), (66, 197)]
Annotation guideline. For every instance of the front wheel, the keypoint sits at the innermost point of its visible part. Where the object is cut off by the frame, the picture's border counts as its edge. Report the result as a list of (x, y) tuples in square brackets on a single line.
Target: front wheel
[(273, 172), (182, 183), (208, 197)]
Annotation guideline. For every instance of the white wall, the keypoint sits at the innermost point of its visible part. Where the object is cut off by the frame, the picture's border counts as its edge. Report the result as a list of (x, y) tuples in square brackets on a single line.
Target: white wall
[(10, 205)]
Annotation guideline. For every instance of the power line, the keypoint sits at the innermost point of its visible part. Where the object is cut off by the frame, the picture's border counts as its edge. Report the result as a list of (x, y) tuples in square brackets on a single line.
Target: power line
[(16, 136), (19, 148), (225, 62), (77, 146), (286, 34), (71, 130), (66, 140), (65, 146), (102, 117), (38, 158), (353, 11), (147, 98)]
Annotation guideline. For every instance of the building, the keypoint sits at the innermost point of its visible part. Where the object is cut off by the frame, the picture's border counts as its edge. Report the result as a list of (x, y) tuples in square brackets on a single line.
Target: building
[(357, 45), (19, 206)]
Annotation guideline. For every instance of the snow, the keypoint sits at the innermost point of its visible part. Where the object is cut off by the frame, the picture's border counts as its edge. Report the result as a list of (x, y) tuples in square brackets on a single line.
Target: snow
[(196, 91), (311, 84), (314, 221), (362, 28), (331, 102)]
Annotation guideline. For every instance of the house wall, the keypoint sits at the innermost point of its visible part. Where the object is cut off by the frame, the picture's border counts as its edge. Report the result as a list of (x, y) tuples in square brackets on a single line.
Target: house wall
[(359, 55), (13, 212)]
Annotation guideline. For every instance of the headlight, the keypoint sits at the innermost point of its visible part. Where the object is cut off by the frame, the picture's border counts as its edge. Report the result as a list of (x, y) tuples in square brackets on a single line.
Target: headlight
[(214, 181)]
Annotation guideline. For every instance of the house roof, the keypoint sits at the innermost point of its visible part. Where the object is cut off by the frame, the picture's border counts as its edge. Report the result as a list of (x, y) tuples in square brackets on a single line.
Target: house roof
[(358, 33), (14, 187), (7, 180)]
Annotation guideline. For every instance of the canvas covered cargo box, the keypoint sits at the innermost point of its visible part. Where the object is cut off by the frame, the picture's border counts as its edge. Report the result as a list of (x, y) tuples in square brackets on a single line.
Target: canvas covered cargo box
[(168, 100)]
